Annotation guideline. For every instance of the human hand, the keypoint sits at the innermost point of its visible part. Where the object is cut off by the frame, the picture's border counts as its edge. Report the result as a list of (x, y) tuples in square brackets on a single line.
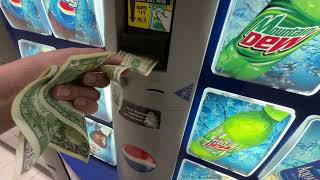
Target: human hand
[(82, 93)]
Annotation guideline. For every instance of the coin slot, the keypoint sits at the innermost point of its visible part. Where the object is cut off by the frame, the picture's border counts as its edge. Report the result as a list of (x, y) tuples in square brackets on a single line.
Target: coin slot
[(156, 90)]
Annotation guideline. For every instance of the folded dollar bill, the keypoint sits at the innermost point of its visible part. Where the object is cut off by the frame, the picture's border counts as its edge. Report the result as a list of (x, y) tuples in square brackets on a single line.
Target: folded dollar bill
[(44, 121)]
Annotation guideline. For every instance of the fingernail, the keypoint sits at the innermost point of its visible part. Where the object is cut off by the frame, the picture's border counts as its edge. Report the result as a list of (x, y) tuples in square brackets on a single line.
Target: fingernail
[(63, 92), (90, 79), (81, 102)]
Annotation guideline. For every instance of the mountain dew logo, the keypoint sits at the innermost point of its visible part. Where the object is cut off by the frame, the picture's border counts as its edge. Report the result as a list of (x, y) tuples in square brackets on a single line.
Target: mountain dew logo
[(268, 36), (217, 143)]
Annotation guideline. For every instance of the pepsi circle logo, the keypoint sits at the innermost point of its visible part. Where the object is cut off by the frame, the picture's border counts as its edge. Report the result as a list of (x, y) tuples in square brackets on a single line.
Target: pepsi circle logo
[(138, 159), (16, 5), (67, 8), (66, 13)]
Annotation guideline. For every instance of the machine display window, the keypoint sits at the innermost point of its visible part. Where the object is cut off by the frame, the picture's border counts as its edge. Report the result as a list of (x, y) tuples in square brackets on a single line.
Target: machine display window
[(301, 154), (259, 43), (235, 132)]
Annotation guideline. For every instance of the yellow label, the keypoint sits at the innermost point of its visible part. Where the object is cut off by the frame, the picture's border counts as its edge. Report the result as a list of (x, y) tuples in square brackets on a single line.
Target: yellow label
[(170, 6), (145, 15), (142, 15)]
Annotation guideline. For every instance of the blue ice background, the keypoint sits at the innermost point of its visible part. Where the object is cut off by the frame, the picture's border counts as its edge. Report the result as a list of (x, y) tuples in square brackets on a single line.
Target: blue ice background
[(306, 151), (102, 112), (300, 71), (214, 111), (193, 171), (33, 15), (85, 22), (30, 49), (106, 154)]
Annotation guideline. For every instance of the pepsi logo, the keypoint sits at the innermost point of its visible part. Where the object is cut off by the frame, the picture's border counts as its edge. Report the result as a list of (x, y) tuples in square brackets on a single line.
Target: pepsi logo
[(138, 159), (16, 3), (68, 7)]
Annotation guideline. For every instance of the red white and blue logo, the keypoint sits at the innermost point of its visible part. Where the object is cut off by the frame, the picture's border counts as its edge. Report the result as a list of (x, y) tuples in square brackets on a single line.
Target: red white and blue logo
[(16, 6), (16, 3), (138, 159), (68, 7), (66, 12)]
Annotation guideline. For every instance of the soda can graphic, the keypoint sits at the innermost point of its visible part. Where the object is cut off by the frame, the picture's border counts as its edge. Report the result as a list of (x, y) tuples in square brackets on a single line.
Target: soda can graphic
[(237, 132), (271, 42), (138, 159), (16, 8), (26, 15), (76, 20), (66, 12)]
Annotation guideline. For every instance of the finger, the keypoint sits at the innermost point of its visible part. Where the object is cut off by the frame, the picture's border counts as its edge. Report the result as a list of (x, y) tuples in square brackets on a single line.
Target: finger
[(114, 60), (95, 79), (71, 92), (88, 106), (64, 54), (75, 51)]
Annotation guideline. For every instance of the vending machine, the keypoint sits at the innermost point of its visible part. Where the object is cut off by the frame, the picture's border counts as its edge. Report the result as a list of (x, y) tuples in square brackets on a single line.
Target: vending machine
[(254, 113), (233, 96)]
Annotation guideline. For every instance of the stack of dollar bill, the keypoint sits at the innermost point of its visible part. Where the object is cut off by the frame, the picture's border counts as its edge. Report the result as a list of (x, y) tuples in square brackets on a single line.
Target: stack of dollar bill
[(44, 121)]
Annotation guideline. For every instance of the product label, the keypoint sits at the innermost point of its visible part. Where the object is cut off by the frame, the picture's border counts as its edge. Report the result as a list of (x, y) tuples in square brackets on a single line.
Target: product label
[(310, 171), (68, 7), (220, 141), (140, 115), (150, 14), (155, 1), (71, 3), (270, 37)]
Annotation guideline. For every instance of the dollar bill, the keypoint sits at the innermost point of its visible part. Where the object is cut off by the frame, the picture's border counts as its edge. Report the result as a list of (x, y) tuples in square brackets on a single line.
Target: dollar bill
[(73, 68), (25, 157), (139, 64), (68, 140), (114, 72), (44, 121), (116, 94), (34, 122)]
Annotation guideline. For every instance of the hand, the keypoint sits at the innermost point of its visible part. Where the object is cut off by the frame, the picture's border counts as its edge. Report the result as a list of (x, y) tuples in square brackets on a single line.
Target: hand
[(20, 73), (82, 94)]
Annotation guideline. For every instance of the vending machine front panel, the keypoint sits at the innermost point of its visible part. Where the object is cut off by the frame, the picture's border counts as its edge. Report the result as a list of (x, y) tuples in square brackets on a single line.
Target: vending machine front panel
[(204, 123)]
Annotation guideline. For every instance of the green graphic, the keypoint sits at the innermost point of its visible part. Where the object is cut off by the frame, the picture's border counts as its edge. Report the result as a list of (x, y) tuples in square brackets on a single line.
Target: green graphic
[(240, 131), (136, 63), (280, 29), (156, 23)]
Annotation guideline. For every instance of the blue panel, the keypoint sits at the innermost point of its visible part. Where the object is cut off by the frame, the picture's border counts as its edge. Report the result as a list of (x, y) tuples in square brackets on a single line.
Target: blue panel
[(95, 169)]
